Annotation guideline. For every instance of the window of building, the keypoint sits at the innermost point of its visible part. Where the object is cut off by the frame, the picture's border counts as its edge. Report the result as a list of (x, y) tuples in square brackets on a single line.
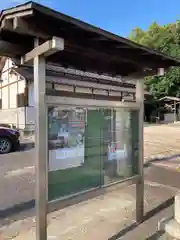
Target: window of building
[(0, 103)]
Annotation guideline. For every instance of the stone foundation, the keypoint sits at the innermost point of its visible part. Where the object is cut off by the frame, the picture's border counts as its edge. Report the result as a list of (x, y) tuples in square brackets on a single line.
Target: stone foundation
[(172, 226)]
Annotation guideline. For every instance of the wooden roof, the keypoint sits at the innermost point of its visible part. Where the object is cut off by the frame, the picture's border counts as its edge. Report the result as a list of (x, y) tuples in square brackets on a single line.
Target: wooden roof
[(86, 47), (169, 98)]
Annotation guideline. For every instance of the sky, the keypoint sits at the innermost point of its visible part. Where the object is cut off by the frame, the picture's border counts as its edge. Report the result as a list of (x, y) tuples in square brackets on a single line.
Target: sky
[(117, 16)]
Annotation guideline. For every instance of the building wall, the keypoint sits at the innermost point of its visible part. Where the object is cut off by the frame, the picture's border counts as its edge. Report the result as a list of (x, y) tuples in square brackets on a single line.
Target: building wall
[(11, 85), (13, 116), (30, 110)]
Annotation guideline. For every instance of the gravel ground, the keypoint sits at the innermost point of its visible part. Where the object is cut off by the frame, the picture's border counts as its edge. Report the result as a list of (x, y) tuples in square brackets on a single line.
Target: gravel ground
[(161, 141)]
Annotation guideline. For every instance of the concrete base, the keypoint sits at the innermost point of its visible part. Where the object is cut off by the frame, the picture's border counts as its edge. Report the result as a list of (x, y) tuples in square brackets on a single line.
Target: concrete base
[(162, 223), (173, 229), (177, 208), (172, 226)]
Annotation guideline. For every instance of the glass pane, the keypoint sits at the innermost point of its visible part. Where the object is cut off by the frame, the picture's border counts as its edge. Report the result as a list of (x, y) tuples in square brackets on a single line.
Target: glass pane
[(89, 148), (74, 151), (120, 142)]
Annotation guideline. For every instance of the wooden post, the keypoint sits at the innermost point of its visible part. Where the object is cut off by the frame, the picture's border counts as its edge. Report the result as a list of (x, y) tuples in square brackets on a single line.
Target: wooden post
[(175, 112), (140, 167), (41, 145), (38, 55)]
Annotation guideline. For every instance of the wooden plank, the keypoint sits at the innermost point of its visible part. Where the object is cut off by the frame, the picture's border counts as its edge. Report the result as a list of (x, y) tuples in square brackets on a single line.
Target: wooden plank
[(64, 80), (15, 10), (50, 99), (21, 26), (45, 49), (9, 49), (7, 24), (20, 14), (140, 165), (41, 145), (18, 24)]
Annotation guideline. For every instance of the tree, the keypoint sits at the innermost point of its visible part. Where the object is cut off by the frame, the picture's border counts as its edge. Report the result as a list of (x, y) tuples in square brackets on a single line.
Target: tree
[(166, 39)]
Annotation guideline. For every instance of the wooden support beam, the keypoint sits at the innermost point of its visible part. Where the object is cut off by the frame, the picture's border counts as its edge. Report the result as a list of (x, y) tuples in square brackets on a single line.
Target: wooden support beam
[(41, 143), (56, 76), (50, 99), (49, 47), (7, 24), (147, 73), (9, 49), (20, 14), (18, 24), (99, 38), (115, 55), (21, 26), (140, 165), (19, 9), (64, 80), (120, 46)]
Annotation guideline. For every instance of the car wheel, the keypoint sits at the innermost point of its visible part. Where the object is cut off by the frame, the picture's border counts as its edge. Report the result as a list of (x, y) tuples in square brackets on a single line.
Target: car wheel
[(5, 145)]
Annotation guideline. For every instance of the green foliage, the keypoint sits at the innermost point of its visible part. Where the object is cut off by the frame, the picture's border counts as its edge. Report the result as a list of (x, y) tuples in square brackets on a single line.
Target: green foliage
[(166, 39)]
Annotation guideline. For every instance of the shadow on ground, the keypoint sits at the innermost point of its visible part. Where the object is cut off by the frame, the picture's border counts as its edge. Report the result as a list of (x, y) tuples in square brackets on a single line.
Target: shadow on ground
[(25, 146), (147, 216), (4, 213), (156, 236), (154, 160)]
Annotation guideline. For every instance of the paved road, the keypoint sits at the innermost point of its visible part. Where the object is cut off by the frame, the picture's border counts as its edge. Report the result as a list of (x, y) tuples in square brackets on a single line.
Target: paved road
[(17, 181)]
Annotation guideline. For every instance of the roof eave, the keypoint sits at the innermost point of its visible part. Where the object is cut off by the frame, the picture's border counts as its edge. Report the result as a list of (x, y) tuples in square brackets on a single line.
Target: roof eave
[(18, 8), (111, 36), (168, 61)]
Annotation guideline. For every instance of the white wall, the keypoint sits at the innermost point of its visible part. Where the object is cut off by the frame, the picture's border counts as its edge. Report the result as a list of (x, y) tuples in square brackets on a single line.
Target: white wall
[(5, 97), (14, 116), (4, 89), (23, 117), (11, 85), (13, 95), (21, 86)]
